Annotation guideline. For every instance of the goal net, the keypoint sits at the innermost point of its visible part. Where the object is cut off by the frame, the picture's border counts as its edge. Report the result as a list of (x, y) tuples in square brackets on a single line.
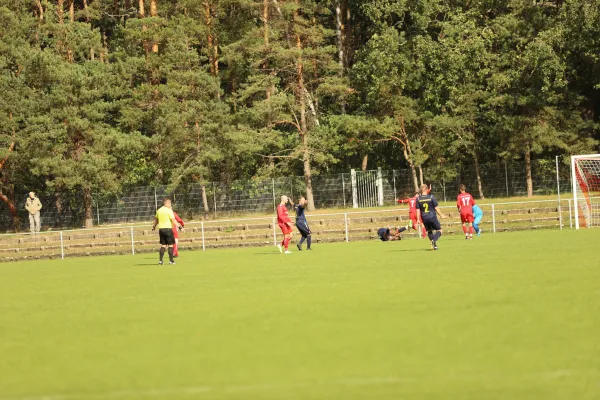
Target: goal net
[(585, 171)]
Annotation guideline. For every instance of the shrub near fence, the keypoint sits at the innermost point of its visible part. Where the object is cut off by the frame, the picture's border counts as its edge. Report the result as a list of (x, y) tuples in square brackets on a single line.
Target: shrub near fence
[(257, 232)]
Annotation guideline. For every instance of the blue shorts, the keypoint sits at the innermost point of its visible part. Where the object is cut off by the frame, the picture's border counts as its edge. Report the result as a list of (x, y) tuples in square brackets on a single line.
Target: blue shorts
[(432, 224), (477, 220), (302, 226)]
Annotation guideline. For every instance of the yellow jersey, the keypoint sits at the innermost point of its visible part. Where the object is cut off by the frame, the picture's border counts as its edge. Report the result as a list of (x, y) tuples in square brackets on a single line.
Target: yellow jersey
[(164, 215)]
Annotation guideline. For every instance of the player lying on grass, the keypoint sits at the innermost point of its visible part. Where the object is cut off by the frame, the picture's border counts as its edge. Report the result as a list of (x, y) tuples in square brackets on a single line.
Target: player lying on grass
[(478, 215), (465, 203), (165, 220), (387, 236), (428, 211), (176, 230), (302, 224), (412, 213), (285, 224)]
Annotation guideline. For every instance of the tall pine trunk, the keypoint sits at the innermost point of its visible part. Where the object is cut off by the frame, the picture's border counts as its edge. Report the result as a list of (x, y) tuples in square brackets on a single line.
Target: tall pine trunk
[(365, 163), (12, 209), (478, 173), (340, 31), (301, 100), (421, 179), (6, 199), (528, 170), (213, 49), (87, 204), (341, 42), (72, 10), (205, 201), (407, 152), (413, 171), (60, 10), (154, 13), (38, 3), (266, 41), (142, 15)]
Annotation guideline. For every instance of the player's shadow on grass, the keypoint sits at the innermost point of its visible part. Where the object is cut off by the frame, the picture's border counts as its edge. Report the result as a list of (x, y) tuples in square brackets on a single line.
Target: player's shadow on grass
[(405, 250), (150, 261)]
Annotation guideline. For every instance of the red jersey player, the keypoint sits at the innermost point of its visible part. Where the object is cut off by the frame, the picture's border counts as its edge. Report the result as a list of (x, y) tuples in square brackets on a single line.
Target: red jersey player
[(465, 203), (176, 229), (412, 213), (285, 224)]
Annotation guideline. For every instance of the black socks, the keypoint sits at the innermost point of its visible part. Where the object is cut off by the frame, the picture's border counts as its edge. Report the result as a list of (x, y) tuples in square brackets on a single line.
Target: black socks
[(162, 253), (171, 255)]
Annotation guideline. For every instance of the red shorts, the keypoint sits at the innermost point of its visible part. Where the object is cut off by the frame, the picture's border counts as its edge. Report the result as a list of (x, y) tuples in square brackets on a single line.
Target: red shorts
[(467, 218), (413, 218), (176, 233), (285, 229)]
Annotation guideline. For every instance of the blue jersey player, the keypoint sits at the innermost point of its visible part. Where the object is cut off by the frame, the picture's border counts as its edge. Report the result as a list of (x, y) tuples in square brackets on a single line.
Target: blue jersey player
[(478, 215), (428, 210), (302, 224), (386, 236)]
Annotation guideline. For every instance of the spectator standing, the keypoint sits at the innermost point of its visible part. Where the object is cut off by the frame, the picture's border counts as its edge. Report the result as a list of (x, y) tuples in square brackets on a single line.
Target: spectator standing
[(33, 205)]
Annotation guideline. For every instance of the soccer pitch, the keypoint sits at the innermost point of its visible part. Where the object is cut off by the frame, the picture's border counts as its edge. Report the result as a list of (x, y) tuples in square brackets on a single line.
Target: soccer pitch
[(506, 316)]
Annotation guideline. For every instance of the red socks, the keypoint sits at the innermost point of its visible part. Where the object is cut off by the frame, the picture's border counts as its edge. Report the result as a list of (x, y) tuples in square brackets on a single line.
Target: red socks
[(286, 243)]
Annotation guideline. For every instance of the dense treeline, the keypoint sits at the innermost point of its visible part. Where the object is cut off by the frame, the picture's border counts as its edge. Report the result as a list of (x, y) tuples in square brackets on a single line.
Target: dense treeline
[(98, 95)]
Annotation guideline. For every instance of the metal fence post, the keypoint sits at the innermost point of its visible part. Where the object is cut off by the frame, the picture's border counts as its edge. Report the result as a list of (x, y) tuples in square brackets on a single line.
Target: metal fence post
[(570, 215), (62, 248), (155, 200), (346, 224), (202, 227), (98, 210), (444, 187), (558, 191), (274, 202), (394, 179), (506, 176), (354, 192), (274, 233), (494, 218), (132, 242), (215, 198), (343, 190), (379, 184)]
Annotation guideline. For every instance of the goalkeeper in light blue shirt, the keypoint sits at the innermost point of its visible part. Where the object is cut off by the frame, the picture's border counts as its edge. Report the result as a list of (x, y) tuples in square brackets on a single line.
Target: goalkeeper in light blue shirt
[(478, 216)]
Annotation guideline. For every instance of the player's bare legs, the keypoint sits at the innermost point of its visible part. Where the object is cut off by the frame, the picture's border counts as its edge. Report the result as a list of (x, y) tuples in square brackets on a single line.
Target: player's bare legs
[(286, 243)]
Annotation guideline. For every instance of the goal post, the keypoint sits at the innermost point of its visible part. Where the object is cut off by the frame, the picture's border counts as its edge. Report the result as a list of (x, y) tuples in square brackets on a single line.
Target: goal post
[(585, 176)]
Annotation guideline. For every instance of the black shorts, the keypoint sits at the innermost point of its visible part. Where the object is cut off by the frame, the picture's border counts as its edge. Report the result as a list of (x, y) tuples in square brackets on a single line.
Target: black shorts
[(166, 236), (432, 224), (303, 228)]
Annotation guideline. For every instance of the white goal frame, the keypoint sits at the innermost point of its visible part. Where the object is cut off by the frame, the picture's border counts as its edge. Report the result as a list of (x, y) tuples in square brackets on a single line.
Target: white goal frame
[(575, 182)]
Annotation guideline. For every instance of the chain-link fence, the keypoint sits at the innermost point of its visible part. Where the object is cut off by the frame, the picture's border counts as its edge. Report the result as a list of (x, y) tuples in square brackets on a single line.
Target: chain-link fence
[(65, 209), (349, 226)]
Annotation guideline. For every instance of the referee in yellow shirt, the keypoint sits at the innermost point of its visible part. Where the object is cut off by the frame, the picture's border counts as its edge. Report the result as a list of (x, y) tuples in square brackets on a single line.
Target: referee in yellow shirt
[(165, 220)]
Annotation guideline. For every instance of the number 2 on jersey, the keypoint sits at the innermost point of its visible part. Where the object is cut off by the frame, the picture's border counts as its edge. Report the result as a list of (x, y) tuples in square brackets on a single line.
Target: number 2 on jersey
[(426, 207)]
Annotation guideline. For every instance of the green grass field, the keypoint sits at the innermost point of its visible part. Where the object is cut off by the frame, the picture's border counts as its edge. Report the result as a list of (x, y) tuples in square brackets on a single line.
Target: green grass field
[(506, 316)]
